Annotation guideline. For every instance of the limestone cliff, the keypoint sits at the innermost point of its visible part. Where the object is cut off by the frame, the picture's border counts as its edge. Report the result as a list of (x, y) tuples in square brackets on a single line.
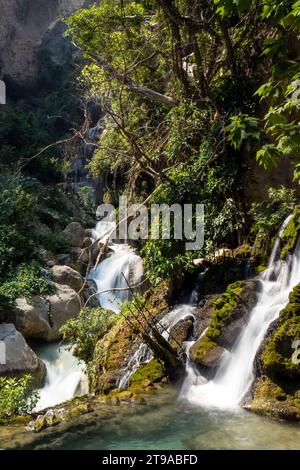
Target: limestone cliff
[(24, 25)]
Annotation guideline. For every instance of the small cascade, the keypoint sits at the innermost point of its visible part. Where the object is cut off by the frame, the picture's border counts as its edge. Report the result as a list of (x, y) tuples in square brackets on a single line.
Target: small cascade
[(235, 372), (65, 376), (144, 353), (113, 272)]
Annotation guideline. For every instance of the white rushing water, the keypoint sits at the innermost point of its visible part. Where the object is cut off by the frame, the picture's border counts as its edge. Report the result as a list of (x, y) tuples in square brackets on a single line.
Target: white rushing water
[(65, 376), (123, 264), (235, 372)]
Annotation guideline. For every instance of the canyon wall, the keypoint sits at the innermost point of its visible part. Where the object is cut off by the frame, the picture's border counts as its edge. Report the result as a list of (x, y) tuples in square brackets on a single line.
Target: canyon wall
[(24, 25)]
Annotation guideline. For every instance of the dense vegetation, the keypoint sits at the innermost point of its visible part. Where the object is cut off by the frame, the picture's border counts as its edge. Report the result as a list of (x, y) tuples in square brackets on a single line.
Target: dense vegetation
[(194, 96), (192, 92)]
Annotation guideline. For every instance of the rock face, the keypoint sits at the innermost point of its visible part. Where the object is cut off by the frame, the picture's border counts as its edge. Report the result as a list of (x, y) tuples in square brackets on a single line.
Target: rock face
[(23, 27), (276, 391), (64, 305), (68, 277), (32, 319), (76, 233), (20, 359), (42, 318), (228, 313)]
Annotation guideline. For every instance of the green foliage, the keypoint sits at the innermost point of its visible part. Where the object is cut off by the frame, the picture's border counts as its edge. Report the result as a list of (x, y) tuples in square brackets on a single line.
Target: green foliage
[(26, 281), (18, 218), (85, 331), (16, 397), (241, 128), (268, 216), (42, 113), (55, 241)]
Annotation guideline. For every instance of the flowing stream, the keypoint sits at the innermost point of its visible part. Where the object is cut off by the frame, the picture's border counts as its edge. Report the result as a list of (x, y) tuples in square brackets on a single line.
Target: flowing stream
[(65, 376), (208, 415), (120, 267), (235, 372)]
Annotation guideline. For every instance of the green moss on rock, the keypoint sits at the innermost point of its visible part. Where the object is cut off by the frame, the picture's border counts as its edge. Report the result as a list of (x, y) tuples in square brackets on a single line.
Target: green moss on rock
[(277, 356), (224, 306), (291, 234), (151, 372), (272, 400)]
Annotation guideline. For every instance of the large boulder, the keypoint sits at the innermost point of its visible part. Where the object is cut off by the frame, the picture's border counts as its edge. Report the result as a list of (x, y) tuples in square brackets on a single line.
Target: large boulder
[(224, 317), (68, 277), (64, 305), (19, 358), (32, 318), (42, 318), (76, 233)]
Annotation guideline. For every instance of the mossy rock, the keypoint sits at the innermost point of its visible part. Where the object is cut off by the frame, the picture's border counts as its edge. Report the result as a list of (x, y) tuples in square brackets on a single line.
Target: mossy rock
[(277, 356), (206, 352), (229, 315), (291, 234), (113, 351), (272, 400), (149, 373), (224, 307)]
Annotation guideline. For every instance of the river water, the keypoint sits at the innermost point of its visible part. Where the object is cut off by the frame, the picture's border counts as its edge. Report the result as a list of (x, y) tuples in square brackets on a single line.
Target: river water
[(171, 425)]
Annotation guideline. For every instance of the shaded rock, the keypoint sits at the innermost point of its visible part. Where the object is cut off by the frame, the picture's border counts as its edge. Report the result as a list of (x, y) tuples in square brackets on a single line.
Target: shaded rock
[(181, 332), (203, 314), (19, 358), (76, 232), (67, 276), (64, 258), (88, 291), (87, 242)]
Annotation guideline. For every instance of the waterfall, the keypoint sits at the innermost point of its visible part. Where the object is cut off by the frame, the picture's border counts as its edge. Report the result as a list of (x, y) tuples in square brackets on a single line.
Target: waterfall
[(235, 372), (144, 354), (65, 376), (109, 274)]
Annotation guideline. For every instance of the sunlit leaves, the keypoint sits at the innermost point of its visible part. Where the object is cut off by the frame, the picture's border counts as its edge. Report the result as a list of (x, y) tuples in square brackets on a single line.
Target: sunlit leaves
[(241, 128)]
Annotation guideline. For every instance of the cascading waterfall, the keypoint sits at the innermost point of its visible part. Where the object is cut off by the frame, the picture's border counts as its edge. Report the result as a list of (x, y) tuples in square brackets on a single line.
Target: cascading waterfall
[(113, 272), (65, 376), (235, 372), (144, 353)]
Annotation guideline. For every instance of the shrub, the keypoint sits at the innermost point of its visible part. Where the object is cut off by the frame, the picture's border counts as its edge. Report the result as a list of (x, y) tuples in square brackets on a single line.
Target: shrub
[(16, 397), (28, 280), (86, 330), (269, 215)]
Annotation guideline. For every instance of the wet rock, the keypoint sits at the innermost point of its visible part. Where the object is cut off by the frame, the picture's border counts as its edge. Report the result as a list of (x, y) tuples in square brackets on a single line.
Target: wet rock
[(181, 332), (88, 292), (19, 357), (67, 276)]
